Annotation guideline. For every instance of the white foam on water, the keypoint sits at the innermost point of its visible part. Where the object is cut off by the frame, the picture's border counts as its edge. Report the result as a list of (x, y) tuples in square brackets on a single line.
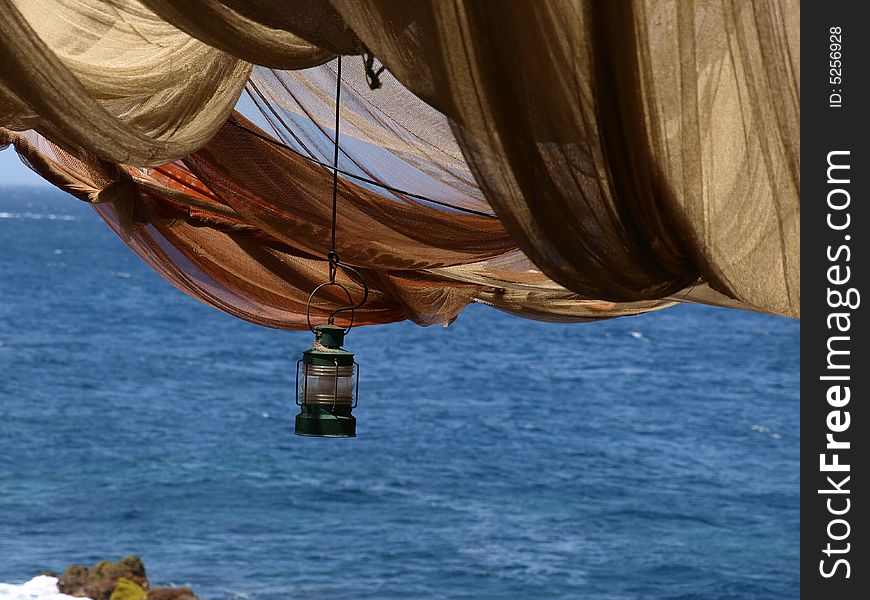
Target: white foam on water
[(42, 587), (765, 429), (38, 216)]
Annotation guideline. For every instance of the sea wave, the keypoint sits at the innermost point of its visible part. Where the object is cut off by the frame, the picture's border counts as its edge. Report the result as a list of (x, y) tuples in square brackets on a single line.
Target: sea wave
[(37, 216), (42, 587)]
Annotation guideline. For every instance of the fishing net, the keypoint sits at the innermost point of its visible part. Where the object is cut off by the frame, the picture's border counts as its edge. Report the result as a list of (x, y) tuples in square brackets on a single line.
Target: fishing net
[(560, 161)]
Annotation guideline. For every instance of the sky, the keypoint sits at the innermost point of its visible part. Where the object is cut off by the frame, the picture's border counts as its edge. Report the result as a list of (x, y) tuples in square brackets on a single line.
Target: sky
[(14, 172)]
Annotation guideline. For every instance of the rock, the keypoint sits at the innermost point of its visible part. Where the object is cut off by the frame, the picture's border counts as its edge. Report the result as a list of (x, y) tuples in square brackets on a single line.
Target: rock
[(122, 580), (133, 564), (73, 581), (129, 567), (98, 571), (101, 589), (128, 590)]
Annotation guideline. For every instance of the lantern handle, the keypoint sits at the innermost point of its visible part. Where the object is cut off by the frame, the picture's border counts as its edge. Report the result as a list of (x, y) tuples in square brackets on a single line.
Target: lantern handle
[(332, 314)]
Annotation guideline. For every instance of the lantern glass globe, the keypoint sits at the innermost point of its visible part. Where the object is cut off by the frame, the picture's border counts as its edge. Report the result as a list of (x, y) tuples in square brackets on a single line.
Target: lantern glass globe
[(323, 385)]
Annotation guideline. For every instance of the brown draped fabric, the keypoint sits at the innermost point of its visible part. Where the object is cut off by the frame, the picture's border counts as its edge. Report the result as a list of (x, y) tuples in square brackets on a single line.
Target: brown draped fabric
[(292, 34), (112, 77), (629, 148), (558, 160)]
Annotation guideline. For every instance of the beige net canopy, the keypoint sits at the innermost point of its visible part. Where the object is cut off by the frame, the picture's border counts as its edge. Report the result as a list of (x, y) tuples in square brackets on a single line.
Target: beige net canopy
[(560, 160)]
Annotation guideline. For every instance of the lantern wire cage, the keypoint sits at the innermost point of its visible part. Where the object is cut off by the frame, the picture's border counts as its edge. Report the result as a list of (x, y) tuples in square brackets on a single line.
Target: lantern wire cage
[(335, 394)]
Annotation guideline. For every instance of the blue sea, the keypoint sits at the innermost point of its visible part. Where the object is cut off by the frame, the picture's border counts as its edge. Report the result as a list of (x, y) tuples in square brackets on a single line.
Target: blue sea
[(644, 457)]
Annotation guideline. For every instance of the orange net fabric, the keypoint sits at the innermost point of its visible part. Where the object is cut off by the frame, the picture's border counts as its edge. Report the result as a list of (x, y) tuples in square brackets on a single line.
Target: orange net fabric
[(289, 197), (197, 241)]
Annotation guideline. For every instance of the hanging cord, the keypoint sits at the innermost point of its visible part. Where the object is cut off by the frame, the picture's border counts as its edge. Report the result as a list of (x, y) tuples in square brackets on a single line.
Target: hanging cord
[(332, 257)]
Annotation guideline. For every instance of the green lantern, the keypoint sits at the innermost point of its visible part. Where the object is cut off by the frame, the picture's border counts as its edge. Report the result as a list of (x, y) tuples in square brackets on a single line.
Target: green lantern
[(327, 385)]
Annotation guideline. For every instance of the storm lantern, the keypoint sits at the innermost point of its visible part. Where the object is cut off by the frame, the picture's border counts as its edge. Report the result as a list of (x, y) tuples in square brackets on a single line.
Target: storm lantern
[(327, 384)]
